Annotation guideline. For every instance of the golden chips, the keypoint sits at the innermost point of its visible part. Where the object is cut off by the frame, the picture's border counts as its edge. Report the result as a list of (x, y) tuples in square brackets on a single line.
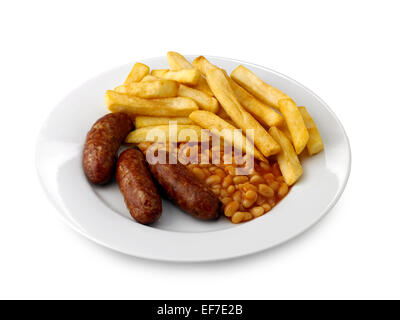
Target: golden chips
[(166, 100)]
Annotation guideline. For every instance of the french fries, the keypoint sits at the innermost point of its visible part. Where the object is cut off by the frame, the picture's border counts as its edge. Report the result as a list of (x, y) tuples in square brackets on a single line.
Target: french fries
[(137, 73), (177, 61), (204, 101), (185, 76), (276, 98), (287, 159), (314, 144), (150, 78), (258, 88), (150, 89), (286, 131), (144, 121), (202, 85), (262, 112), (228, 132), (165, 133), (295, 123), (203, 65), (172, 107), (222, 114), (223, 92)]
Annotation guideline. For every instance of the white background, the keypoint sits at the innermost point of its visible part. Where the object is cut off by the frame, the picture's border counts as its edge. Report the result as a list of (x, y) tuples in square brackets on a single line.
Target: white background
[(348, 52)]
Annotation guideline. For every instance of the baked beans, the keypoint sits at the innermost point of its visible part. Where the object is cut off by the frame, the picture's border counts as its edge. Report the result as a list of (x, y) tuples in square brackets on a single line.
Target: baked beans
[(244, 197)]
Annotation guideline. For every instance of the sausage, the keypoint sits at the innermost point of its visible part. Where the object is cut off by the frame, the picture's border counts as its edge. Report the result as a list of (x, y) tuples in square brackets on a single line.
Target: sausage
[(183, 188), (136, 185), (102, 144)]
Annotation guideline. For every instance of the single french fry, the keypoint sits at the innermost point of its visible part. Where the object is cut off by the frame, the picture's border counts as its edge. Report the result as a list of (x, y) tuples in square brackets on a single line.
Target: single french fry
[(145, 121), (314, 144), (151, 89), (185, 76), (177, 61), (287, 159), (137, 73), (204, 101), (203, 65), (165, 133), (150, 78), (172, 107), (228, 132), (262, 112), (120, 89), (223, 92), (295, 124), (258, 88)]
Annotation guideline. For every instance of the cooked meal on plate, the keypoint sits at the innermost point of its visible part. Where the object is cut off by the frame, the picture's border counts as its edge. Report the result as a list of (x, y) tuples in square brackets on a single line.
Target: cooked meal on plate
[(211, 142)]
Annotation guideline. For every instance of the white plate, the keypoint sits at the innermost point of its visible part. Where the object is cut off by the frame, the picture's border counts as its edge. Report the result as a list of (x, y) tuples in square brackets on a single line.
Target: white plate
[(99, 213)]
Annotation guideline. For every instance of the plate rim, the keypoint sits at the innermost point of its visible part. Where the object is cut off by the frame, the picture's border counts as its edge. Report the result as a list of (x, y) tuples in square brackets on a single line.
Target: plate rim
[(251, 251)]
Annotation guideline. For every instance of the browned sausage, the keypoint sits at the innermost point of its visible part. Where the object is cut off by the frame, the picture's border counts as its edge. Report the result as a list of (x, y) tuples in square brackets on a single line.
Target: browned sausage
[(135, 182), (186, 190), (102, 144)]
